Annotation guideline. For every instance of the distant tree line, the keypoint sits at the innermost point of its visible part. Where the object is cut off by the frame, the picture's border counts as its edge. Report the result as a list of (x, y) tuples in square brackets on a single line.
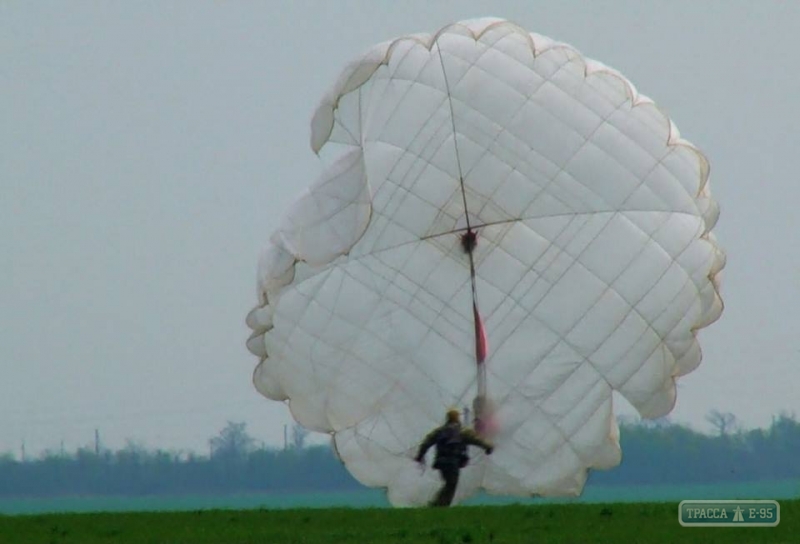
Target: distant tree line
[(653, 453), (661, 452)]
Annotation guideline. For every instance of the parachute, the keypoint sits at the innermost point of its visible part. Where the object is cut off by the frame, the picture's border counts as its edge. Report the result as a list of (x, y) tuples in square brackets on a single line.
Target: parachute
[(507, 227)]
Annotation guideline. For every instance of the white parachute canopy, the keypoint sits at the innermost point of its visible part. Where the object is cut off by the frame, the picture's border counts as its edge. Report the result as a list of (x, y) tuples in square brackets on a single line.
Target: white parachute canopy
[(594, 266)]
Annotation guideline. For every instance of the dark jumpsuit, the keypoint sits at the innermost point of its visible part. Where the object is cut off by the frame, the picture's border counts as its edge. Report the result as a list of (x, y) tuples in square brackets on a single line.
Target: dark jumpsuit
[(451, 441)]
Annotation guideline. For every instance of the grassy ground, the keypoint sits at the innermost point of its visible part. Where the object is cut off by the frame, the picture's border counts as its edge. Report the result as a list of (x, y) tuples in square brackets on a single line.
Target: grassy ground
[(562, 523)]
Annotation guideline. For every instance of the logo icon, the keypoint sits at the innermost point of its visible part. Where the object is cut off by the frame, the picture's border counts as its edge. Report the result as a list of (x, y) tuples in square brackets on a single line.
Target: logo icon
[(744, 513)]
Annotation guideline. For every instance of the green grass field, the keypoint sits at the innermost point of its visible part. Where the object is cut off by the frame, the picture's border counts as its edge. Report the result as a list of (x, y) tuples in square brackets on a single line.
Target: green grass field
[(544, 523), (636, 514)]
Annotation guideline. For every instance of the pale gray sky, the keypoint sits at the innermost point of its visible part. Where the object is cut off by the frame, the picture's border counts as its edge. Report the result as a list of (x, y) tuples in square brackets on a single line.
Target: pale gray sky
[(147, 150)]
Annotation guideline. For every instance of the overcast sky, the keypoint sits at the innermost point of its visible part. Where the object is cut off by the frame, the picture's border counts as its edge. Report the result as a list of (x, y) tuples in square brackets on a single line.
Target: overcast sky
[(147, 150)]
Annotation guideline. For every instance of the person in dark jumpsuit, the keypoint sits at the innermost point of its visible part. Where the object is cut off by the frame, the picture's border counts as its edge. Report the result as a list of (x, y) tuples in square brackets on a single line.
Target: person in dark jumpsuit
[(451, 441)]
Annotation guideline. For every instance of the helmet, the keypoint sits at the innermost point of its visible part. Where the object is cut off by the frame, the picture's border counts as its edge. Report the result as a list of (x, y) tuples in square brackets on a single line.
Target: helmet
[(453, 416)]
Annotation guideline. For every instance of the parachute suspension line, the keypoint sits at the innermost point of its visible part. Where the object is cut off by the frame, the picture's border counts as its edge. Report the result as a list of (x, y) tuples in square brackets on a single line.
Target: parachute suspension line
[(455, 142), (468, 242)]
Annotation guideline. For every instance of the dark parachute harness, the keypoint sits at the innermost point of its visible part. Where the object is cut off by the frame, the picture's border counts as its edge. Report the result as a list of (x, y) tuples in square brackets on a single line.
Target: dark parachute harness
[(451, 441), (451, 448)]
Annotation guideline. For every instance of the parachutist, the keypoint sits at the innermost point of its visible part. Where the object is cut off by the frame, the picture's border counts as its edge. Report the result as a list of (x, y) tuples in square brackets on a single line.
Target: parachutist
[(451, 441)]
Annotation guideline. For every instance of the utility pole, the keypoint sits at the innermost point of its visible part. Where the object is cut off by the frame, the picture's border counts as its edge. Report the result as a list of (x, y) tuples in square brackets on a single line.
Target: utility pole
[(285, 437), (97, 442), (22, 450)]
